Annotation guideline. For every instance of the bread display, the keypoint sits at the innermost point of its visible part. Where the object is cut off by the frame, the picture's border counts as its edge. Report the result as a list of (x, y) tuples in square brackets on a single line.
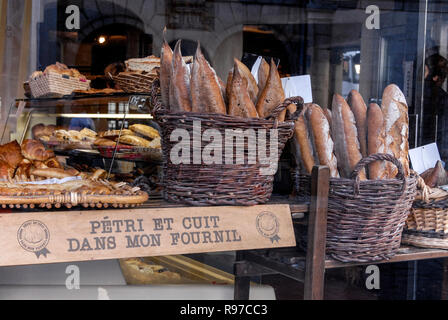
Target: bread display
[(345, 136), (206, 95), (376, 141), (396, 121), (321, 139), (273, 93), (240, 102), (179, 89), (359, 109)]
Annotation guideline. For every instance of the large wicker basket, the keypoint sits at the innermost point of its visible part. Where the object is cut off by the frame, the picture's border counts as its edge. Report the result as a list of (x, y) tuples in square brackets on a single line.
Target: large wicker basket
[(427, 224), (199, 183), (365, 218), (53, 84)]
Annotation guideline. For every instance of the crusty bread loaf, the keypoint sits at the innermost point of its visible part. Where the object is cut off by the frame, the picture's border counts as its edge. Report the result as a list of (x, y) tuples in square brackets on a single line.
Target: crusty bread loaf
[(396, 121), (302, 146), (321, 138), (145, 130), (50, 173), (272, 94), (359, 109), (328, 115), (206, 93), (166, 58), (263, 74), (240, 104), (179, 90), (345, 136), (376, 141), (252, 86)]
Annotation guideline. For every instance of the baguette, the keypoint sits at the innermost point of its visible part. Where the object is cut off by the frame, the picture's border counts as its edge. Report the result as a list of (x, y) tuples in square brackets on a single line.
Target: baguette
[(240, 104), (179, 89), (206, 93), (50, 173), (396, 121), (376, 141), (252, 86), (272, 94), (359, 109), (263, 73), (166, 58), (321, 138), (345, 137), (328, 115), (302, 146)]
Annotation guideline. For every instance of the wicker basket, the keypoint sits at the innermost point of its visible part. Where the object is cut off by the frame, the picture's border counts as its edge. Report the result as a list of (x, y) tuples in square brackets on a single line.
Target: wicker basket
[(365, 218), (53, 84), (427, 224), (218, 184), (135, 82)]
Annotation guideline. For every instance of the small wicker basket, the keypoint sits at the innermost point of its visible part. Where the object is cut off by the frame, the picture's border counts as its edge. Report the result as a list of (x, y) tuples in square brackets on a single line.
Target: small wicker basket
[(135, 82), (427, 224), (53, 84), (365, 218)]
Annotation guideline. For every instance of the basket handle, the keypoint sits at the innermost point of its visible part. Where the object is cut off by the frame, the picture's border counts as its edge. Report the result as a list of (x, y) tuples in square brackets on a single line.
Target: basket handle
[(298, 101), (378, 157)]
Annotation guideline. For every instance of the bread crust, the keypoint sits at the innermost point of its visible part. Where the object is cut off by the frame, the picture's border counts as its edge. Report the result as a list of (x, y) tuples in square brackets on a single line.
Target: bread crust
[(302, 146), (272, 94), (179, 89), (35, 150), (240, 103), (263, 74), (359, 109), (376, 139), (166, 58)]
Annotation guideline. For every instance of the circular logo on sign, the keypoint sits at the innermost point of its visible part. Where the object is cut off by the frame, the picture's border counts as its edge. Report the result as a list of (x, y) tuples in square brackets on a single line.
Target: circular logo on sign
[(33, 236), (268, 225)]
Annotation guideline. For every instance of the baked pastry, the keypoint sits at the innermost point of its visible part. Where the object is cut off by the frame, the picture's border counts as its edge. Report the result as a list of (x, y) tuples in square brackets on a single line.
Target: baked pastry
[(179, 90), (376, 141), (165, 72), (321, 139), (134, 141), (35, 150), (240, 103), (116, 133), (23, 169), (104, 142), (6, 171), (52, 163), (436, 176), (272, 95), (396, 122), (11, 153), (75, 136), (345, 137), (145, 130), (206, 95), (50, 173), (359, 109), (86, 132), (62, 135)]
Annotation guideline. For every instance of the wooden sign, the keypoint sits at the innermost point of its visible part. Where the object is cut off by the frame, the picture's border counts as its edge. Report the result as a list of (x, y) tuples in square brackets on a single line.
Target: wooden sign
[(47, 237)]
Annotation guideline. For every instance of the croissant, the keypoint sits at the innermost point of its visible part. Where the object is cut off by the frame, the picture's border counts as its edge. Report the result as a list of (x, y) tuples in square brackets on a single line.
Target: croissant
[(53, 163), (23, 170), (11, 154), (34, 150), (6, 171)]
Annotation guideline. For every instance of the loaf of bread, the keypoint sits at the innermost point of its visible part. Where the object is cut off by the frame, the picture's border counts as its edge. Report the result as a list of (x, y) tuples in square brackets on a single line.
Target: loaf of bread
[(436, 176), (104, 142), (35, 150), (359, 109), (321, 139), (252, 87), (6, 171), (302, 146), (53, 163), (134, 141), (50, 173), (11, 153), (206, 95), (23, 169), (345, 136), (328, 115), (263, 74), (272, 95), (179, 90), (166, 61), (396, 122), (240, 103), (376, 141)]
